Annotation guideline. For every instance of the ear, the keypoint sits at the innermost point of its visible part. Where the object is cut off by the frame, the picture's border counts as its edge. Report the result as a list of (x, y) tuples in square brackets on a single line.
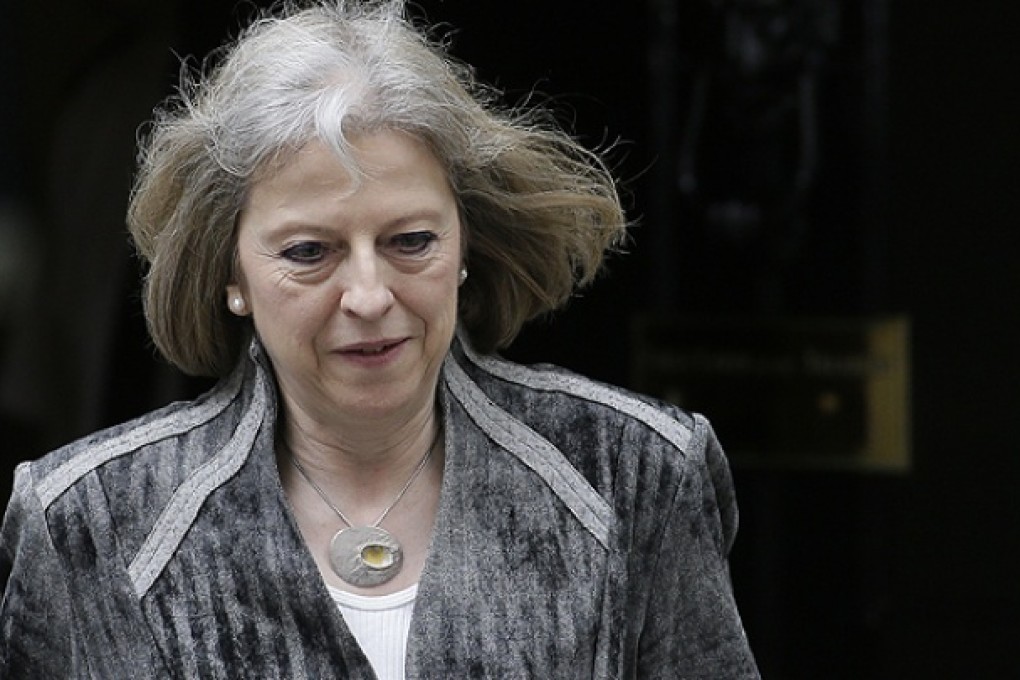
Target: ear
[(236, 301)]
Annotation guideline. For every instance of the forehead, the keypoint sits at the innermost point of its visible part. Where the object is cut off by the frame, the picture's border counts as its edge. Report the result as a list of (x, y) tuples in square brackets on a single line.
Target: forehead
[(362, 152), (388, 171)]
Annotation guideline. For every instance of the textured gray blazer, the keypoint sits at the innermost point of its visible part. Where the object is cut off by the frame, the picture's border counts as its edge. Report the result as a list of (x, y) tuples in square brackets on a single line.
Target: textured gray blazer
[(582, 532)]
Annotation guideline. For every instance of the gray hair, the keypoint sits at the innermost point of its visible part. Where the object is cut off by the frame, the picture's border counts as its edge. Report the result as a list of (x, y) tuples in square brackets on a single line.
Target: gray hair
[(539, 211)]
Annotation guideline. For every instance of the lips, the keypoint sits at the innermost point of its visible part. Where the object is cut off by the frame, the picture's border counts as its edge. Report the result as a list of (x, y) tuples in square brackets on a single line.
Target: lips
[(370, 349)]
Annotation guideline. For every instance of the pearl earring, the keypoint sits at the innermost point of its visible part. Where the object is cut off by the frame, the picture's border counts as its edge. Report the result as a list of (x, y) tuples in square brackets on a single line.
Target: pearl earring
[(237, 304), (463, 274)]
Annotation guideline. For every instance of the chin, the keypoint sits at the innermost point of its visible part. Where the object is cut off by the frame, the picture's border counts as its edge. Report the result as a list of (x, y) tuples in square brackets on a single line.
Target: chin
[(380, 407)]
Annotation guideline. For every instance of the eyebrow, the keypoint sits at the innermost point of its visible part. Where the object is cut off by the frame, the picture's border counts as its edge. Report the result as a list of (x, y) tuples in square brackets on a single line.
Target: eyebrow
[(288, 227)]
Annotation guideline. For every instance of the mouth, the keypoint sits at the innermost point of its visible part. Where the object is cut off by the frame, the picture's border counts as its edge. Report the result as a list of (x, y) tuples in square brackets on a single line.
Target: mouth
[(370, 349)]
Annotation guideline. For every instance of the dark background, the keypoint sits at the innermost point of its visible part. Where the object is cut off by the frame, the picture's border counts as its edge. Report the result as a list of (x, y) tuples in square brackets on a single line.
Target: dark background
[(912, 211)]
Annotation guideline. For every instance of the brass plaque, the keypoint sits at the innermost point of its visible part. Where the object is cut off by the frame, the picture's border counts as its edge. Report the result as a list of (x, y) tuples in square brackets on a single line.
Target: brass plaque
[(830, 393)]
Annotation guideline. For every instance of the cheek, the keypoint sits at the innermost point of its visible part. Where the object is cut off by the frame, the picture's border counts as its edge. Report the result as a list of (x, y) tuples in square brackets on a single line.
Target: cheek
[(291, 314), (439, 307), (269, 285)]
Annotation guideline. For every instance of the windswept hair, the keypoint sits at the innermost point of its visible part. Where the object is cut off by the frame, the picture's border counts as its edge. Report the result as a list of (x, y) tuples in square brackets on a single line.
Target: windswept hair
[(539, 211)]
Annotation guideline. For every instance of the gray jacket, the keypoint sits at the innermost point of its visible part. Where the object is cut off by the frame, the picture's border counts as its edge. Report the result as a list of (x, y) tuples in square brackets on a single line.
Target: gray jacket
[(582, 533)]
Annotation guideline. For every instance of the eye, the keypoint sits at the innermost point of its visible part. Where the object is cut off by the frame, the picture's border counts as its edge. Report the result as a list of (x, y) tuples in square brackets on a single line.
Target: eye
[(307, 252), (413, 243)]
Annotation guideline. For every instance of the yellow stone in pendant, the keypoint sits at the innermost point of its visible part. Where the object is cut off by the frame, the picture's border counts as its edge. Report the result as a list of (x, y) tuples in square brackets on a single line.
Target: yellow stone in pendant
[(377, 556), (365, 556)]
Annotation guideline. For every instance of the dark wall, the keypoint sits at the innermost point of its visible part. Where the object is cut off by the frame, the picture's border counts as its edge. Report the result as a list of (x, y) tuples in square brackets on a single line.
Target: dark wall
[(956, 157), (840, 575)]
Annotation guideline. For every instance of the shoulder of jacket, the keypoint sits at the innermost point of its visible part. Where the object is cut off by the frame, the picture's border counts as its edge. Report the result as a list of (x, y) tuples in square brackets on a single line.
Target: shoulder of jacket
[(58, 471), (574, 392)]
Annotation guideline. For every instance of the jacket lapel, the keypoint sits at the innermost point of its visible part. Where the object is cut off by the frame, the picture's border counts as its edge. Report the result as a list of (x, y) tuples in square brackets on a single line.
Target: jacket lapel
[(514, 576), (241, 596)]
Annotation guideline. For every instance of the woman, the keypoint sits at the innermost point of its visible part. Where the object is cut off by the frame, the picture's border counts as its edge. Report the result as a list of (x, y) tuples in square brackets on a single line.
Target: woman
[(340, 224)]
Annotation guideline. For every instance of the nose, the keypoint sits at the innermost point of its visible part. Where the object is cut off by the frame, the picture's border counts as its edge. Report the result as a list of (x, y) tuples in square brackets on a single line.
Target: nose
[(366, 291)]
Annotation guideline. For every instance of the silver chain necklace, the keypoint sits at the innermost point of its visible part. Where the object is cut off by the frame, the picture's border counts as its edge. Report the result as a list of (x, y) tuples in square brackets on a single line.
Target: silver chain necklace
[(366, 556)]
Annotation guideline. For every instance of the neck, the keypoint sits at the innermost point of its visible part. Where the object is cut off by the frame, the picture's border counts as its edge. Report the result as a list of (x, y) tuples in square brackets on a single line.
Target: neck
[(359, 470), (360, 439)]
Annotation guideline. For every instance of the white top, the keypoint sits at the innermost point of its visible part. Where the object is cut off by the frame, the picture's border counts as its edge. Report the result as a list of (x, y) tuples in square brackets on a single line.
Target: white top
[(380, 624)]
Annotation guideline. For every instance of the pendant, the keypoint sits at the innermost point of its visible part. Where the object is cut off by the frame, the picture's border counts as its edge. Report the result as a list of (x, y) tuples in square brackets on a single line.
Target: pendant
[(365, 556)]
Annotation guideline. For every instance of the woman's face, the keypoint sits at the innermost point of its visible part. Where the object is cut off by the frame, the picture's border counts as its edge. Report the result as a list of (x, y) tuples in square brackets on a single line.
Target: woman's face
[(353, 286)]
